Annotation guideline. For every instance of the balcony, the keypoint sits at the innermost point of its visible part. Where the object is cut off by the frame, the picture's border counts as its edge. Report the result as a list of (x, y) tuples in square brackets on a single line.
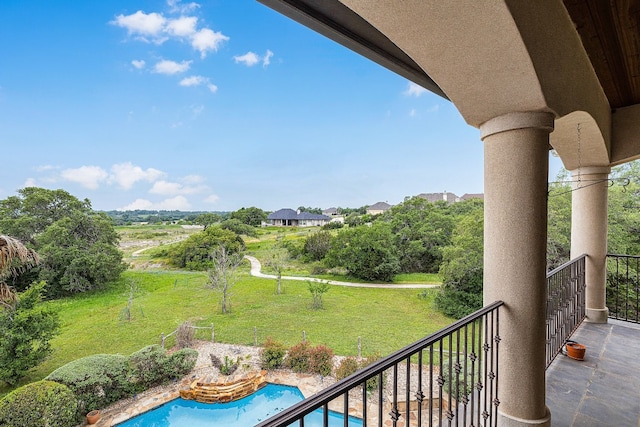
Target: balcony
[(451, 377)]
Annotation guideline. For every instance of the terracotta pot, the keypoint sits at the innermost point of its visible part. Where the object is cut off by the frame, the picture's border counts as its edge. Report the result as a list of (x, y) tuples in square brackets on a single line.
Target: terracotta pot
[(575, 350), (93, 417)]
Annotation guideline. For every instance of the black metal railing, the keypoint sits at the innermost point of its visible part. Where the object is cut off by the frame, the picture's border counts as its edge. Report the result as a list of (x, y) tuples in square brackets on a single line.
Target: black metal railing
[(448, 378), (565, 304), (623, 287)]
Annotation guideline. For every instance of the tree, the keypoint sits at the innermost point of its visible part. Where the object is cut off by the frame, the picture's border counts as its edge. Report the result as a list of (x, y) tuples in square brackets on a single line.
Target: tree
[(422, 229), (25, 332), (366, 252), (251, 216), (194, 253), (317, 289), (207, 219), (222, 275), (559, 222), (462, 268), (239, 227), (277, 258), (78, 246), (34, 209), (317, 245), (310, 210), (14, 259), (80, 253)]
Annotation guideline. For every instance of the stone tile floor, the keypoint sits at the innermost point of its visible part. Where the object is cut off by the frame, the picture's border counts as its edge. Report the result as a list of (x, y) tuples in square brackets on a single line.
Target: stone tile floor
[(604, 389)]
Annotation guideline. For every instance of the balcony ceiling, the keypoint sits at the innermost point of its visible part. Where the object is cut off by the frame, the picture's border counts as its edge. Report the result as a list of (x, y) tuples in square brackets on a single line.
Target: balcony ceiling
[(609, 30)]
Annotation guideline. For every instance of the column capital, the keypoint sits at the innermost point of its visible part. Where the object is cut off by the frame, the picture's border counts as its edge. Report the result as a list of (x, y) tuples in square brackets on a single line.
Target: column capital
[(517, 120), (591, 170)]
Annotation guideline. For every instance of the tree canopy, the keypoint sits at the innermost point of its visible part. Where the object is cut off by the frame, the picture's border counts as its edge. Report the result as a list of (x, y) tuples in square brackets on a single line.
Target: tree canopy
[(77, 246), (251, 216)]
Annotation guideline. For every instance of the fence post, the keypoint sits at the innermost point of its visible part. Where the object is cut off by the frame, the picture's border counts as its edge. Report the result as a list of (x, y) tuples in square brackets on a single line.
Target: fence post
[(304, 336), (162, 338), (213, 334), (255, 336), (359, 348)]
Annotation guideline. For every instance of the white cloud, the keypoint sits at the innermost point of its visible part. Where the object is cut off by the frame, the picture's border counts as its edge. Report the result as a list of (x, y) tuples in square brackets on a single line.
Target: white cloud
[(44, 168), (184, 26), (192, 179), (211, 198), (177, 7), (178, 203), (138, 204), (197, 110), (414, 90), (193, 81), (434, 109), (413, 112), (171, 67), (266, 59), (30, 182), (197, 81), (127, 174), (142, 24), (87, 176), (249, 59), (139, 64), (206, 40), (167, 188)]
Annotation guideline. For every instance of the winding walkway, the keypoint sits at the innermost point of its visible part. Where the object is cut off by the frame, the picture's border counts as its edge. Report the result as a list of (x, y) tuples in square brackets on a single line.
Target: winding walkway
[(256, 268)]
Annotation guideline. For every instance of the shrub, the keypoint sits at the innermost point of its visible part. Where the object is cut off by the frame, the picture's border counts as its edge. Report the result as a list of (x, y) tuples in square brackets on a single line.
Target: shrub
[(272, 355), (317, 245), (333, 225), (227, 367), (298, 357), (149, 366), (182, 362), (321, 360), (185, 335), (306, 359), (97, 380), (42, 403), (347, 366), (350, 365)]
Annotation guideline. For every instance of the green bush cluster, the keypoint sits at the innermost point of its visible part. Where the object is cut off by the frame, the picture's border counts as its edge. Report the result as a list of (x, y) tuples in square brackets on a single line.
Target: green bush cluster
[(304, 358), (39, 404), (102, 379), (351, 364), (272, 354)]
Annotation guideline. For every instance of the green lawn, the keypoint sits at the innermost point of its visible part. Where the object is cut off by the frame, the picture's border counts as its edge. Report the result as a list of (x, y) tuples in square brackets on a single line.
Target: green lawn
[(385, 319)]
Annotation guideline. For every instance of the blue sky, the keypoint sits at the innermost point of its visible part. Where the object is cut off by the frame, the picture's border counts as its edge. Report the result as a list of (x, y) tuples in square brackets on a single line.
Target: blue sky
[(214, 105)]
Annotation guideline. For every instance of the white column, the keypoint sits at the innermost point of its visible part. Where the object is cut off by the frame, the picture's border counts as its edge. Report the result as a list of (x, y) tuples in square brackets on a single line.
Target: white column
[(589, 201), (516, 165)]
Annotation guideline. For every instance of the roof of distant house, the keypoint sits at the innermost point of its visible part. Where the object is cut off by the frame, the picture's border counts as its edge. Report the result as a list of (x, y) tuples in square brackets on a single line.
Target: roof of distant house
[(380, 206), (468, 196), (290, 214)]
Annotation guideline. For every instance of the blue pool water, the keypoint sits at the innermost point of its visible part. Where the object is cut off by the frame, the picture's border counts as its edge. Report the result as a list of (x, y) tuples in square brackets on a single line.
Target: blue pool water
[(245, 412)]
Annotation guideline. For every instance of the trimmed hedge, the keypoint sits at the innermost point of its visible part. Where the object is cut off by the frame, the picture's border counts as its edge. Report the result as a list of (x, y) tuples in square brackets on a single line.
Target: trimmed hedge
[(97, 380), (39, 404), (102, 379)]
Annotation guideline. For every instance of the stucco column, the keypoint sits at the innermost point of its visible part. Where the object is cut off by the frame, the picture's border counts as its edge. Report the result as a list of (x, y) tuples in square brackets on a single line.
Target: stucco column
[(589, 201), (516, 165)]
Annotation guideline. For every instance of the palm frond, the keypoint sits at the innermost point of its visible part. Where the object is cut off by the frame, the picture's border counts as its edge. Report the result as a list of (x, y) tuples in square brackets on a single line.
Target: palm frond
[(15, 257)]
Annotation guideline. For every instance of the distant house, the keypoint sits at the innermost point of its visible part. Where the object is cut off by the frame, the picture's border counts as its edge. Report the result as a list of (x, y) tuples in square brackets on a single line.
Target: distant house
[(330, 212), (468, 196), (449, 197), (291, 218), (440, 197), (378, 208)]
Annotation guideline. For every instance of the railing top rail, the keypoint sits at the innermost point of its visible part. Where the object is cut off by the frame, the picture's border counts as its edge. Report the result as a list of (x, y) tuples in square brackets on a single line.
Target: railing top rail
[(314, 402), (623, 256), (565, 265)]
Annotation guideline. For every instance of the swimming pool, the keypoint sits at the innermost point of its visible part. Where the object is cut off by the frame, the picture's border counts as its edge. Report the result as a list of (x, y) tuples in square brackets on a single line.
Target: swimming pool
[(245, 412)]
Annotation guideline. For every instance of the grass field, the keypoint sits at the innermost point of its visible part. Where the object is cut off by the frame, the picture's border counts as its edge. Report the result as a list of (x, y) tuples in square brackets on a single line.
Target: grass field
[(385, 319)]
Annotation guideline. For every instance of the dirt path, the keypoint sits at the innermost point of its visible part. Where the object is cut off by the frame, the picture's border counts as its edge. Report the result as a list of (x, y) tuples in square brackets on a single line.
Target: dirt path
[(256, 268)]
